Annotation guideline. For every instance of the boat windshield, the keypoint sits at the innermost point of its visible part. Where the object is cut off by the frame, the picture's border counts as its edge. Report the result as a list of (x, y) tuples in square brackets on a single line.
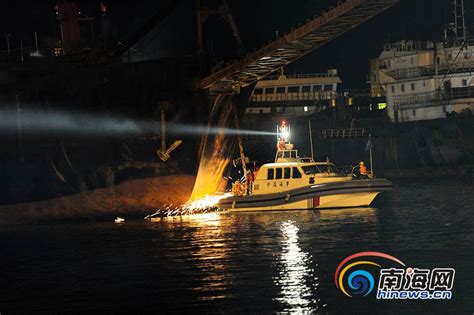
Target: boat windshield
[(321, 169)]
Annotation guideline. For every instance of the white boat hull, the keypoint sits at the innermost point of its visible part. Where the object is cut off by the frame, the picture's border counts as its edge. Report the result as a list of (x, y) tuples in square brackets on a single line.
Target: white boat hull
[(326, 202), (334, 195)]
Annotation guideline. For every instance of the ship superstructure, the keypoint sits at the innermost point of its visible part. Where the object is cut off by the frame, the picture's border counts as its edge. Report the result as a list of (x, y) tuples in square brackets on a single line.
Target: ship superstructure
[(425, 80), (299, 94), (428, 80)]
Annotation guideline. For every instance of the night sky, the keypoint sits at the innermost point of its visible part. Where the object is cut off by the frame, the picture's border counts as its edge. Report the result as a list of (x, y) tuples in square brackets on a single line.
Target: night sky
[(257, 21)]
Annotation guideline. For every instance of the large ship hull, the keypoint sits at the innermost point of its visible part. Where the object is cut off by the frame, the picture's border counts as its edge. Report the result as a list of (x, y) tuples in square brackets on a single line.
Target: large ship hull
[(49, 163), (434, 146), (49, 172)]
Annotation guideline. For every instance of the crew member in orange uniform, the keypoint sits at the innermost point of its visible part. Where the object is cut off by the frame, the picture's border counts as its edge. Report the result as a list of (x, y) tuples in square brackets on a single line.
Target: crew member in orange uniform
[(363, 170)]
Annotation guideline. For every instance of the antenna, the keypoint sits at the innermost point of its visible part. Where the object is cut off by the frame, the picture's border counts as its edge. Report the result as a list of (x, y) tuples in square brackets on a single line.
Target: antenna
[(311, 138), (459, 27)]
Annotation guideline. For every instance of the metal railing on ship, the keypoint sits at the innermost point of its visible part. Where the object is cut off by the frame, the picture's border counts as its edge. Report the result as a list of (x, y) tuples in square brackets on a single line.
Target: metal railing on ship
[(343, 133), (302, 76), (301, 96), (435, 98), (431, 70)]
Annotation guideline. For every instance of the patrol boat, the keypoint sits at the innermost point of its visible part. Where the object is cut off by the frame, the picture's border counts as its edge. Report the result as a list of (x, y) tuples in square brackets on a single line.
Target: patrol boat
[(294, 183)]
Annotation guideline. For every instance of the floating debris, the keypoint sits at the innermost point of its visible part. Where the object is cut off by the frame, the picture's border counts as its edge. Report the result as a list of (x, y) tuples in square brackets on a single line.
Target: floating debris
[(202, 205), (119, 220)]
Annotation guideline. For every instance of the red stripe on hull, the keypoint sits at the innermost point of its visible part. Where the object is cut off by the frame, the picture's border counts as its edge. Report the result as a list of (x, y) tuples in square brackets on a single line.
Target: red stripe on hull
[(315, 202)]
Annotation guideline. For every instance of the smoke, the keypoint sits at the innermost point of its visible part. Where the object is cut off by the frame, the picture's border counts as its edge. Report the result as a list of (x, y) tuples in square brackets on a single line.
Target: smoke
[(46, 122)]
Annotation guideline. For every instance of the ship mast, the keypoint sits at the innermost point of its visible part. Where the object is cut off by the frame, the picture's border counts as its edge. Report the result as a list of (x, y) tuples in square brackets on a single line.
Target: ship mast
[(459, 21)]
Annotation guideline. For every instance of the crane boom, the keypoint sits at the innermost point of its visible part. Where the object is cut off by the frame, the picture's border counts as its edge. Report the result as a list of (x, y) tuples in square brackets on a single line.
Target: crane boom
[(293, 45)]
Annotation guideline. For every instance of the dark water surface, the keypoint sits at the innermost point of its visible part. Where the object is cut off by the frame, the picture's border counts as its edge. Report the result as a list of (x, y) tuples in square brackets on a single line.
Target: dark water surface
[(245, 262)]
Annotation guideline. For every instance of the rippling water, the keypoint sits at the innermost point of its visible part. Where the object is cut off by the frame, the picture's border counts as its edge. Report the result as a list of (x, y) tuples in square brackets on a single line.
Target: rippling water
[(246, 262)]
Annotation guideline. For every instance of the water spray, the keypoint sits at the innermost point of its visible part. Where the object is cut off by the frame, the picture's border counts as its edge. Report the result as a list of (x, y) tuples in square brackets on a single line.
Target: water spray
[(206, 204)]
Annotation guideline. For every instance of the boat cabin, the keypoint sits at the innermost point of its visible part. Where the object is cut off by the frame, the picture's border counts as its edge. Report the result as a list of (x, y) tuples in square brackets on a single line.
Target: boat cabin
[(291, 172)]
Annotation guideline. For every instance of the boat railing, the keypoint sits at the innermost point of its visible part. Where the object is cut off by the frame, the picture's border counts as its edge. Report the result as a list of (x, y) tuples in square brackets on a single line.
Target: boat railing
[(298, 96), (418, 98), (343, 133), (408, 46), (302, 76), (467, 65), (306, 160), (434, 98)]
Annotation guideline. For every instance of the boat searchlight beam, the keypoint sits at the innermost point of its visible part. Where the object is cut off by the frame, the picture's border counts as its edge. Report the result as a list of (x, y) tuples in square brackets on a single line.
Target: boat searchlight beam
[(40, 122)]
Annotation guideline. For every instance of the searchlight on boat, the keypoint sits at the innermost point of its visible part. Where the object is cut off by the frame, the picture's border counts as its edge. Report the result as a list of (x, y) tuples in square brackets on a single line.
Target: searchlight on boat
[(283, 132)]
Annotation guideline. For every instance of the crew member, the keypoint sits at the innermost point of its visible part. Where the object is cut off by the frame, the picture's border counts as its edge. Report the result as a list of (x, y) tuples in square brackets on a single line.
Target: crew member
[(281, 145), (237, 189), (363, 170), (249, 181)]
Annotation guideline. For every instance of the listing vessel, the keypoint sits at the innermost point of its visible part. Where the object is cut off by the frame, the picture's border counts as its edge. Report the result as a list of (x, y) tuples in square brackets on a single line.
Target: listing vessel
[(296, 183)]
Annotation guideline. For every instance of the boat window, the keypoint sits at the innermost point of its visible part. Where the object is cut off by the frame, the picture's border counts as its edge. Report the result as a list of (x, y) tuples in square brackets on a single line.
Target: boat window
[(311, 169), (281, 90), (306, 89), (293, 89), (278, 173), (271, 173), (279, 154), (296, 173), (258, 91), (328, 168), (269, 90), (317, 88), (328, 87), (287, 173)]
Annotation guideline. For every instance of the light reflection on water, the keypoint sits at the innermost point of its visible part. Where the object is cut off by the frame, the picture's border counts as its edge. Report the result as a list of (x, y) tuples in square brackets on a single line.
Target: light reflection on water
[(295, 273), (208, 251), (211, 250), (211, 246), (260, 262)]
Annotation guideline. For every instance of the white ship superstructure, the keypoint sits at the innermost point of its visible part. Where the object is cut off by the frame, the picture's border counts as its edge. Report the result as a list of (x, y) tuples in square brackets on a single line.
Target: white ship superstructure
[(299, 94), (425, 80)]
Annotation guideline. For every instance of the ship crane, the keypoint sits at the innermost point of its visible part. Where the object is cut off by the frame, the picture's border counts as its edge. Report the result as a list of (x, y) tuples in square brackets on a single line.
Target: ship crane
[(293, 45)]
